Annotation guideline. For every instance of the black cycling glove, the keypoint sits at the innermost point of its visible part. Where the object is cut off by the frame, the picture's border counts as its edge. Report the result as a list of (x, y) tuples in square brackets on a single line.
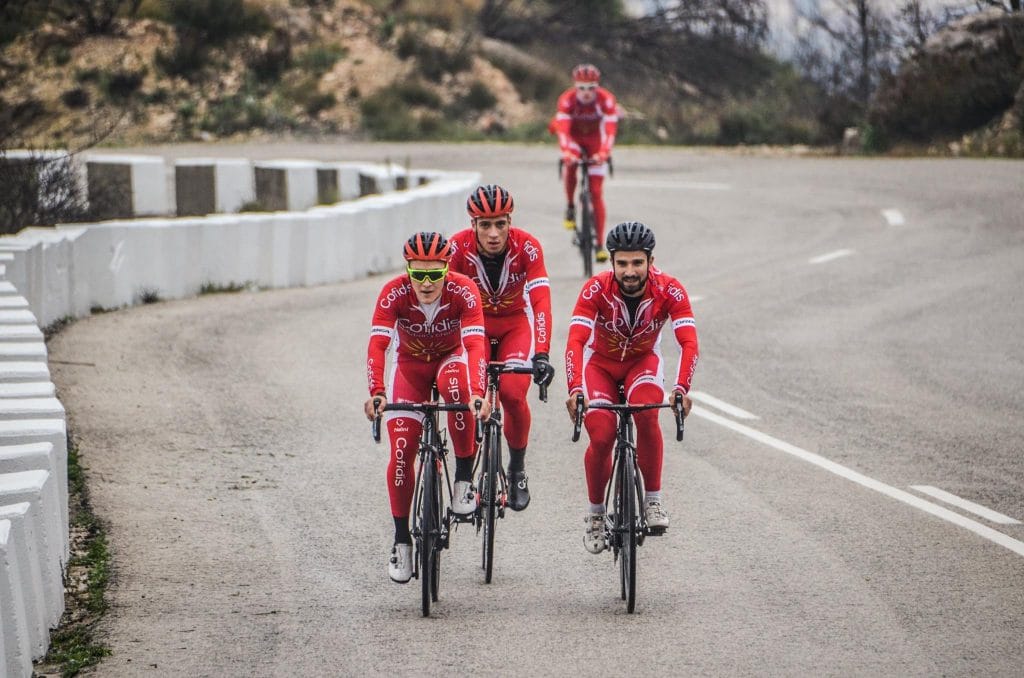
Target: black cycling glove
[(543, 372)]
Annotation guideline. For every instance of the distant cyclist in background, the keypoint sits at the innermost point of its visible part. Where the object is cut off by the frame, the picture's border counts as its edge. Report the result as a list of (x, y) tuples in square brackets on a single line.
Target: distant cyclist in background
[(586, 122), (433, 321), (508, 266)]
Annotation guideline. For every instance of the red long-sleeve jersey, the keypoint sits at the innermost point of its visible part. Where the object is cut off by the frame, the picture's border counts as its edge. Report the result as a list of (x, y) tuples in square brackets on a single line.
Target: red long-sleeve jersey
[(600, 323), (575, 122), (427, 332), (523, 286)]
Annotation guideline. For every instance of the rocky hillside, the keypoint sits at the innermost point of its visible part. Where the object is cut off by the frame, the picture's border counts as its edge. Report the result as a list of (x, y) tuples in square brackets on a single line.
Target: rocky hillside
[(160, 71), (966, 86), (238, 67)]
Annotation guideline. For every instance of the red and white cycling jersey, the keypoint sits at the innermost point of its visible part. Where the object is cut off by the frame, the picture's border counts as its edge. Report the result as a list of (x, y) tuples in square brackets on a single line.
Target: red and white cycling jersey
[(600, 324), (428, 332), (586, 124), (523, 287)]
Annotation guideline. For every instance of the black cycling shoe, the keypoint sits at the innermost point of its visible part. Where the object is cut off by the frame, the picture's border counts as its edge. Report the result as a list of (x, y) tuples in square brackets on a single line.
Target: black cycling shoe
[(518, 491)]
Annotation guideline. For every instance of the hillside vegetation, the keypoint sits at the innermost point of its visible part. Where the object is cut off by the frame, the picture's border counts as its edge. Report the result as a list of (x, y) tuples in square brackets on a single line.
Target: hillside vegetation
[(77, 72)]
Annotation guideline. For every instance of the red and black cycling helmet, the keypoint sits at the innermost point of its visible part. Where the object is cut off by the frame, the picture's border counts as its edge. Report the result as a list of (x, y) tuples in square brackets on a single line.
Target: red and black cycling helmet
[(586, 73), (489, 201), (630, 236), (427, 246)]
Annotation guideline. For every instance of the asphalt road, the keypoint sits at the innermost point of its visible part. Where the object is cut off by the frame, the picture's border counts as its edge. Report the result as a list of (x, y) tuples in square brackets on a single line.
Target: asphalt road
[(867, 312)]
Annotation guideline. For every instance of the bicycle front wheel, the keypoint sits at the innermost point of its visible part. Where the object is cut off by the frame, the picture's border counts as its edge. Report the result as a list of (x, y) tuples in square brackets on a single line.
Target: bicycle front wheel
[(586, 236), (628, 533), (430, 529), (489, 486)]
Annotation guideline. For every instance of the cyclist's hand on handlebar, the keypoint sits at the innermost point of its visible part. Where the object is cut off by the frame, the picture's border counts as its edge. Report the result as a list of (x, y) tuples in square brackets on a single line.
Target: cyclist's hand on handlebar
[(480, 407), (687, 402), (570, 404), (374, 407), (598, 158), (543, 372)]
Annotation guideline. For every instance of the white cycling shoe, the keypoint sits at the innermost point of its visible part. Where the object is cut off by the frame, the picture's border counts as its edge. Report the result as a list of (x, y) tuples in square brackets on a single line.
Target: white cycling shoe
[(463, 497), (657, 518), (400, 563), (594, 537)]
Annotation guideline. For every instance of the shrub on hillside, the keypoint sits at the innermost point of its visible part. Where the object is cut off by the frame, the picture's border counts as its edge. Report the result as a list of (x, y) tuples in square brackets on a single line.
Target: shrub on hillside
[(433, 61), (201, 24), (532, 84), (320, 57)]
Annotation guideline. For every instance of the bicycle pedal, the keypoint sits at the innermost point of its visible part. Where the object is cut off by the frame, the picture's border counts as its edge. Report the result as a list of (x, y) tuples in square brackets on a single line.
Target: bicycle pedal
[(656, 531)]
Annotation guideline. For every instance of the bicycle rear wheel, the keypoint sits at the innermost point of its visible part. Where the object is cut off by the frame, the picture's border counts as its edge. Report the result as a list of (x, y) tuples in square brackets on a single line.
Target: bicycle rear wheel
[(429, 533), (492, 467), (587, 233), (628, 513)]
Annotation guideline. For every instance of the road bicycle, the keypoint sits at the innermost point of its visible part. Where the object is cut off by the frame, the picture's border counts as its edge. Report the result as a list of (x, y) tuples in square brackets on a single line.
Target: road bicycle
[(432, 517), (583, 236), (492, 484), (625, 524)]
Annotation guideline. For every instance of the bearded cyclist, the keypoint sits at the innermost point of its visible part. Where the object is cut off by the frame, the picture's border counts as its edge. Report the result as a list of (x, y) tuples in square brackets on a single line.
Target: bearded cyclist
[(586, 122), (614, 338), (507, 265), (433, 321)]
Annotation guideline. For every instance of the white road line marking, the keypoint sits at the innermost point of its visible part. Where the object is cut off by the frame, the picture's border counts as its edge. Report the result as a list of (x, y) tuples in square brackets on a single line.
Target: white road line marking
[(894, 217), (976, 509), (870, 483), (838, 254), (691, 185), (714, 402), (696, 297)]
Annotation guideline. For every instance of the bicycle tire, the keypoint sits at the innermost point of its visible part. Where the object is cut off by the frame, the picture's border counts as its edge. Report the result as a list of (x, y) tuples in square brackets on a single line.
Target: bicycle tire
[(587, 233), (627, 557), (428, 534), (491, 470)]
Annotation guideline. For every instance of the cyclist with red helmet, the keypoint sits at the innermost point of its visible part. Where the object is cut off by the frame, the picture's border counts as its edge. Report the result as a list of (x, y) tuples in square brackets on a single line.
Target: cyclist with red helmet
[(507, 265), (614, 338), (432, 320), (586, 122)]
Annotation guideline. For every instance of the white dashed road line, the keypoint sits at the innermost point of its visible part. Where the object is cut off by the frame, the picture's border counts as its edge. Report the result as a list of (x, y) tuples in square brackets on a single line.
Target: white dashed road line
[(714, 402), (685, 185), (696, 298), (838, 254), (863, 480), (960, 502), (894, 217)]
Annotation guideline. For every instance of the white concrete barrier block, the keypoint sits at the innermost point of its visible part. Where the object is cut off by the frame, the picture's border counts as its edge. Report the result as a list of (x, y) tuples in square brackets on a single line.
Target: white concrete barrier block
[(39, 389), (30, 549), (29, 351), (14, 303), (20, 333), (229, 250), (213, 185), (37, 456), (7, 289), (38, 489), (16, 432), (286, 184), (127, 185), (21, 316), (17, 653), (31, 408), (21, 372)]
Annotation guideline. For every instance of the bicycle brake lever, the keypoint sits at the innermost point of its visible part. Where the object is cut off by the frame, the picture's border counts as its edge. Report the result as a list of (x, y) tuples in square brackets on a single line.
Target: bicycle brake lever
[(479, 425), (579, 418), (680, 417), (375, 426), (543, 389)]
